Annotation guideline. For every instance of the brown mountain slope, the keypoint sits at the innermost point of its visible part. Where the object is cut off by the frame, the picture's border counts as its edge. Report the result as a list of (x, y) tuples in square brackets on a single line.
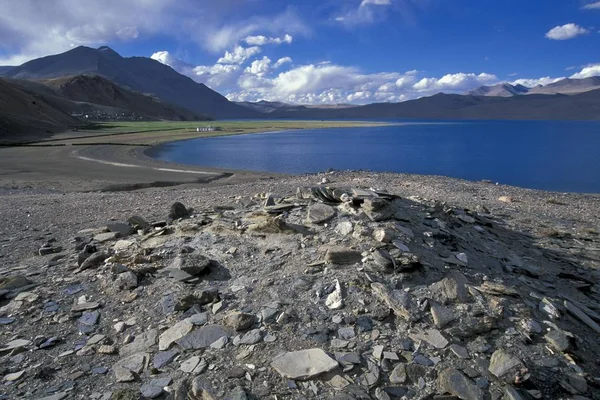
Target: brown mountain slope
[(98, 90), (27, 115)]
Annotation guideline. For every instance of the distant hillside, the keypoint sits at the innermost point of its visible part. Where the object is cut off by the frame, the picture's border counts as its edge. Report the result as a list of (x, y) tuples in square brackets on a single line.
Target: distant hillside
[(5, 69), (26, 114), (139, 74), (502, 90), (267, 107), (583, 106), (564, 86), (98, 90)]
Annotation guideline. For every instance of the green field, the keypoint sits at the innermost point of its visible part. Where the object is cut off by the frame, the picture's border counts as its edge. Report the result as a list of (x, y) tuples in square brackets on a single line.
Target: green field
[(147, 133)]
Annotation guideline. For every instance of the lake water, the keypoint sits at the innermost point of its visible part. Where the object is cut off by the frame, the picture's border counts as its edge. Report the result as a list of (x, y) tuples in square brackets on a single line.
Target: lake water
[(549, 155)]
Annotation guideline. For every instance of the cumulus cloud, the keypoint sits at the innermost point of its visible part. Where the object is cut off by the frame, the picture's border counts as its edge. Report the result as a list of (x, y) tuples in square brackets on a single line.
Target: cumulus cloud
[(259, 67), (261, 40), (456, 82), (35, 28), (31, 28), (281, 61), (587, 72), (239, 55), (592, 6), (565, 32), (533, 82)]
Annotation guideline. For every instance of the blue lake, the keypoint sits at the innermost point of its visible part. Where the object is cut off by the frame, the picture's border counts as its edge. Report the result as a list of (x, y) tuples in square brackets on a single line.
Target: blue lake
[(549, 155)]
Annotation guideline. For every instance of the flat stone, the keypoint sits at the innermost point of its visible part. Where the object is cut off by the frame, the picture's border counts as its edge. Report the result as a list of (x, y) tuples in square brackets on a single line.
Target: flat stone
[(122, 228), (174, 333), (558, 340), (335, 299), (15, 344), (433, 337), (384, 235), (238, 320), (504, 366), (14, 282), (125, 368), (399, 301), (6, 321), (252, 337), (219, 343), (398, 374), (303, 364), (155, 387), (198, 319), (203, 337), (142, 343), (456, 383), (56, 396), (459, 351), (89, 318), (450, 289), (422, 360), (510, 393), (319, 213), (15, 376), (190, 364), (441, 315), (105, 237), (123, 244), (163, 358)]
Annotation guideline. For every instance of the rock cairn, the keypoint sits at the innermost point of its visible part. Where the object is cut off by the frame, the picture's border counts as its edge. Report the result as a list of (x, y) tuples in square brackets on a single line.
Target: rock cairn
[(328, 293)]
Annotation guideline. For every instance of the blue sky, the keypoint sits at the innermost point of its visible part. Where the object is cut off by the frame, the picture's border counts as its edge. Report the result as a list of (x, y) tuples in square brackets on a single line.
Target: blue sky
[(323, 51)]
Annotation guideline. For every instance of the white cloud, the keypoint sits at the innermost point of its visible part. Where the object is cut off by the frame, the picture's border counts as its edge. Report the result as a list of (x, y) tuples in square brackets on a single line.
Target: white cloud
[(259, 67), (533, 82), (565, 32), (281, 61), (456, 82), (261, 40), (35, 28), (592, 6), (239, 55), (365, 3), (587, 72), (32, 28)]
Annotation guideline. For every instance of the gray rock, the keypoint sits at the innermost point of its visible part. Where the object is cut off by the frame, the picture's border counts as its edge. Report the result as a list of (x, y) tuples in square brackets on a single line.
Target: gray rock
[(346, 333), (371, 376), (319, 213), (237, 393), (142, 343), (94, 260), (56, 396), (125, 368), (203, 337), (456, 383), (190, 364), (459, 351), (85, 306), (431, 336), (155, 387), (510, 393), (422, 360), (105, 237), (238, 320), (126, 281), (139, 222), (504, 366), (398, 374), (174, 333), (89, 318), (558, 340), (252, 337), (14, 282), (441, 315), (191, 263), (122, 228), (399, 301), (450, 289), (220, 343), (162, 358), (198, 319), (378, 209), (303, 364), (178, 211)]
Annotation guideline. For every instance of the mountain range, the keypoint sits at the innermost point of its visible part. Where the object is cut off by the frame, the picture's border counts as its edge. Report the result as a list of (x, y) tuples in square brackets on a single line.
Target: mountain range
[(563, 86), (42, 95)]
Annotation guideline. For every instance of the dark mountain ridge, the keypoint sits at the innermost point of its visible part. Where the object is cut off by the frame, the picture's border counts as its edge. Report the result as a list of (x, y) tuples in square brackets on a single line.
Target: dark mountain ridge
[(139, 74)]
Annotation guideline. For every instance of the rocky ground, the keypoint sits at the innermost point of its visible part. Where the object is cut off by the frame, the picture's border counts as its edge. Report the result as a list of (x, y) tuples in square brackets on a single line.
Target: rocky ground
[(330, 286)]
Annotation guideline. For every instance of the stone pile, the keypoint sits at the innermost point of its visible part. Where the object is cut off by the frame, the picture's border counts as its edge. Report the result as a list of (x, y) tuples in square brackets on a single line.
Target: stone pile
[(331, 293)]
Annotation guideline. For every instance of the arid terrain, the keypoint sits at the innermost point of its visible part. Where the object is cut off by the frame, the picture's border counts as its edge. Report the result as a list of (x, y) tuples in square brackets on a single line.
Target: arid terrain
[(393, 286)]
